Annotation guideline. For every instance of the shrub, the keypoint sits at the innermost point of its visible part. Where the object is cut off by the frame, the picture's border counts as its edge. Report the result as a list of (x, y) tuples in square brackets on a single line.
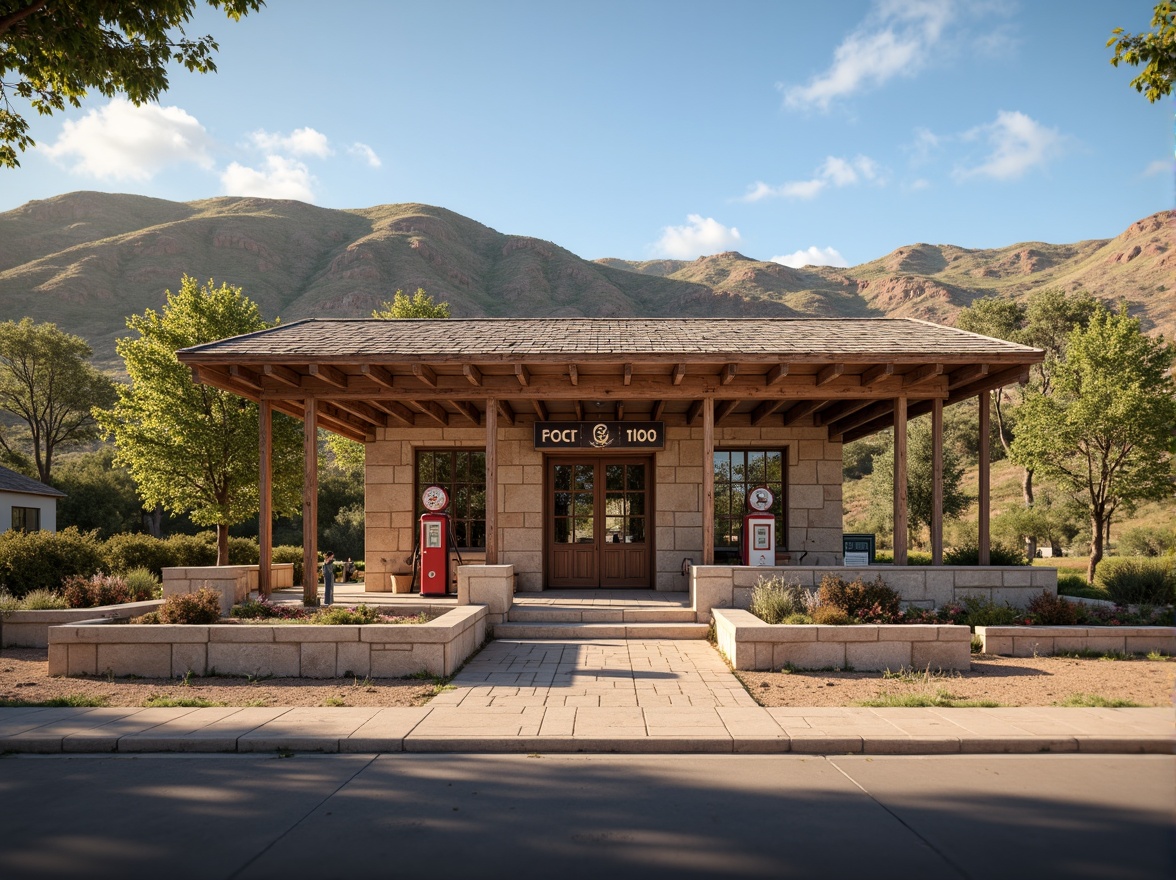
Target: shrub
[(361, 614), (1135, 580), (91, 592), (200, 607), (998, 554), (8, 602), (1050, 610), (981, 611), (243, 551), (151, 617), (42, 600), (1147, 541), (799, 618), (42, 560), (829, 615), (1070, 583), (191, 550), (142, 585), (127, 552), (774, 598), (290, 553), (858, 598)]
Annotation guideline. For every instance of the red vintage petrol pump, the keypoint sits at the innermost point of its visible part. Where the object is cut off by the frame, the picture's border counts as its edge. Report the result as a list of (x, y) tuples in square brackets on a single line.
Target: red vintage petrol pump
[(434, 542), (758, 546)]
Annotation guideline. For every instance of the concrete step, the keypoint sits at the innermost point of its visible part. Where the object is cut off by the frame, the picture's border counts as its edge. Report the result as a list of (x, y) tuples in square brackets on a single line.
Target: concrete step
[(582, 614), (566, 630)]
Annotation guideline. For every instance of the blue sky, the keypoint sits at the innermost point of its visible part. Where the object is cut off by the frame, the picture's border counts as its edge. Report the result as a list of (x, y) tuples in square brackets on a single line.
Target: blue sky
[(803, 132)]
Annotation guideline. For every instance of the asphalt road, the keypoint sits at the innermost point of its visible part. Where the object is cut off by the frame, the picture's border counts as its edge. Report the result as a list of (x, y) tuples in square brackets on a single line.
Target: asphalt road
[(598, 816)]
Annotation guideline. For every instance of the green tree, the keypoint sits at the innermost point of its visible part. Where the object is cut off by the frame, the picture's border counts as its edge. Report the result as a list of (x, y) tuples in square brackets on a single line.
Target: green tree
[(47, 382), (59, 49), (99, 494), (419, 305), (191, 447), (1105, 432), (1154, 50)]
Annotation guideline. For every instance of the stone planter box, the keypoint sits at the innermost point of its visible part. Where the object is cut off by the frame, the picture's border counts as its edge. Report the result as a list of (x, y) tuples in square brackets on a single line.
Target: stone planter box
[(750, 644), (439, 647), (1027, 641), (233, 582), (30, 629)]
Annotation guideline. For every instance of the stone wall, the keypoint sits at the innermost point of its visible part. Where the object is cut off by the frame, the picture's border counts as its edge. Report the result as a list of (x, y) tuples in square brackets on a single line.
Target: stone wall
[(30, 629), (233, 582), (814, 496), (923, 586), (439, 647), (1031, 641)]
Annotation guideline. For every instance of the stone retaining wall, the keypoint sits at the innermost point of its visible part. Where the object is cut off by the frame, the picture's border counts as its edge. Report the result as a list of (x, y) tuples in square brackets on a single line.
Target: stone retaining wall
[(30, 629), (233, 582), (749, 643), (168, 651), (730, 586), (1029, 641)]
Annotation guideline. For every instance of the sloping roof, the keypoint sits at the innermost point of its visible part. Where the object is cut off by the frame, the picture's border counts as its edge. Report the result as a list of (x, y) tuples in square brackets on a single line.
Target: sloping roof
[(11, 481), (514, 338)]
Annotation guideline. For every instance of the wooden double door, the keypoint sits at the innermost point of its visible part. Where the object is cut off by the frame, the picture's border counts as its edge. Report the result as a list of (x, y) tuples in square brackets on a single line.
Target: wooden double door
[(599, 522)]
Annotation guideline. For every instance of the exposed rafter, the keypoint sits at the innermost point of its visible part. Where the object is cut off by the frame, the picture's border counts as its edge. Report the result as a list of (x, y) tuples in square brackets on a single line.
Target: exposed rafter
[(679, 373), (628, 374), (692, 413), (379, 375), (798, 411), (245, 376), (433, 410), (468, 409), (330, 375), (921, 374), (724, 408), (730, 371), (574, 374), (776, 374), (956, 378), (540, 409), (829, 373), (426, 374), (760, 414), (285, 375), (658, 408), (472, 373), (876, 373), (396, 409), (523, 375), (506, 412)]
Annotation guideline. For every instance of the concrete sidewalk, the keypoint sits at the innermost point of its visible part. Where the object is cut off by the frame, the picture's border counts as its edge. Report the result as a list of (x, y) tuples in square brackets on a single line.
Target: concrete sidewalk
[(624, 696)]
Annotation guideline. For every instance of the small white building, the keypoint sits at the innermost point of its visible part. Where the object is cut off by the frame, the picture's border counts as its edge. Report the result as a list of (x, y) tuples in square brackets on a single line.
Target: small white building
[(27, 504)]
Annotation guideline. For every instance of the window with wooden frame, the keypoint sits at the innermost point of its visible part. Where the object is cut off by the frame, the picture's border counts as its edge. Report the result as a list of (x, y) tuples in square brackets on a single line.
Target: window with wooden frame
[(737, 471), (26, 519), (461, 473)]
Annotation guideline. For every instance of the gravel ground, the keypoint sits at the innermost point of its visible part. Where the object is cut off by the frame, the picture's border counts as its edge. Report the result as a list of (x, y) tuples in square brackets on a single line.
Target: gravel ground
[(1009, 681)]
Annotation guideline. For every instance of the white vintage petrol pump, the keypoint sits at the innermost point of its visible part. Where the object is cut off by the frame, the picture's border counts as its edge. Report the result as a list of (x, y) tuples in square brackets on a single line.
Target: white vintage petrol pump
[(758, 546), (434, 542)]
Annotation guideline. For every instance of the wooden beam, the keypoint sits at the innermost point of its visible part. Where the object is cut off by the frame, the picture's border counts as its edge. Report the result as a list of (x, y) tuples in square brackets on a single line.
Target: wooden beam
[(579, 410), (310, 502), (396, 409), (831, 372), (658, 408), (472, 373), (491, 482), (765, 409), (695, 409), (921, 375), (330, 375), (628, 374), (937, 482), (245, 376), (379, 375), (285, 375), (363, 411), (265, 488), (540, 409), (900, 481), (679, 373), (620, 411), (984, 501), (727, 376), (708, 481), (876, 373), (798, 411), (956, 378), (776, 374), (433, 410), (522, 374), (574, 374), (724, 408), (876, 409), (831, 414), (467, 409), (507, 412), (426, 374)]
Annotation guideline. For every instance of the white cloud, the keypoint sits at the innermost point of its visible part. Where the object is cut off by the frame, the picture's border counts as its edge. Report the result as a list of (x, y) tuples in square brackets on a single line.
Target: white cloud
[(299, 142), (1017, 145), (834, 171), (1160, 166), (700, 236), (366, 153), (813, 256), (896, 38), (125, 142), (280, 178)]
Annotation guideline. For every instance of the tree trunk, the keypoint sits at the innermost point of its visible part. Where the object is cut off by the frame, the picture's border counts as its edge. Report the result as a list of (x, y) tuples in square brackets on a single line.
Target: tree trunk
[(1096, 544), (1027, 487), (222, 544), (153, 521)]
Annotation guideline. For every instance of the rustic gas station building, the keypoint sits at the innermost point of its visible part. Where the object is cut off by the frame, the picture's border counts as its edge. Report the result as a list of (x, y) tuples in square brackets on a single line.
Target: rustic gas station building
[(605, 453)]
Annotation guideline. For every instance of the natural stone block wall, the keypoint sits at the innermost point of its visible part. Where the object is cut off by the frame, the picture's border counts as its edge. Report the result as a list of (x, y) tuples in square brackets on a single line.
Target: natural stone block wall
[(30, 629), (1030, 641), (922, 586), (489, 585), (167, 651), (749, 643), (233, 582)]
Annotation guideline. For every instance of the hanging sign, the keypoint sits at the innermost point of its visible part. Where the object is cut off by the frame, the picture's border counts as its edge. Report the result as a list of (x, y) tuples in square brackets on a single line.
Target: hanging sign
[(600, 435)]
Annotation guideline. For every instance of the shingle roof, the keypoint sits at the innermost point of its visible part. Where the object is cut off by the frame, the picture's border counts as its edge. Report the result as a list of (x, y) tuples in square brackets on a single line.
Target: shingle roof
[(514, 338), (11, 481)]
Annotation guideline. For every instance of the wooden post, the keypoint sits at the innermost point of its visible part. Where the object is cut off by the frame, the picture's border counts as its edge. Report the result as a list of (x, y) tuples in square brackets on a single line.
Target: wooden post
[(708, 481), (492, 482), (900, 481), (310, 502), (937, 482), (984, 540), (265, 502)]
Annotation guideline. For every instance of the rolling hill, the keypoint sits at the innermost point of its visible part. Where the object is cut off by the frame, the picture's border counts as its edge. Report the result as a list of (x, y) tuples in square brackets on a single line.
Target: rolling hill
[(86, 260)]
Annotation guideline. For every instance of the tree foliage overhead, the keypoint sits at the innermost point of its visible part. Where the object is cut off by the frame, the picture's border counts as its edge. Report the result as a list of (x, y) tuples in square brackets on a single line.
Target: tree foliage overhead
[(47, 382), (191, 447), (1106, 431), (419, 305), (54, 51), (1154, 51)]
